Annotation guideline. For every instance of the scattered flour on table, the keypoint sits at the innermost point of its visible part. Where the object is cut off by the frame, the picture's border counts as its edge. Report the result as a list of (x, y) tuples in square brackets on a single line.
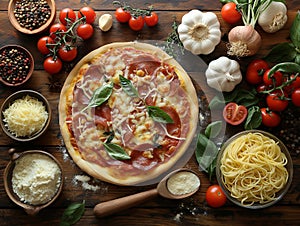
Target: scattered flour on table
[(88, 183)]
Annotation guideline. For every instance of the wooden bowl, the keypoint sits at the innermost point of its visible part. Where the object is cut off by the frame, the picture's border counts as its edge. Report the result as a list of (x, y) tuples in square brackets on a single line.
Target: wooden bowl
[(44, 27), (18, 95), (21, 49), (7, 176)]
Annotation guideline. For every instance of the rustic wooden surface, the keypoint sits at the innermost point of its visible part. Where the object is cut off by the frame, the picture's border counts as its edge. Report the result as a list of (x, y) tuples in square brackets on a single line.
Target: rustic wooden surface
[(159, 211)]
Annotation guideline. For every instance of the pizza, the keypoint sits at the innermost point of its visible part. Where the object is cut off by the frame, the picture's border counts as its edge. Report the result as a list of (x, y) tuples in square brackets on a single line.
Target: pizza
[(127, 113)]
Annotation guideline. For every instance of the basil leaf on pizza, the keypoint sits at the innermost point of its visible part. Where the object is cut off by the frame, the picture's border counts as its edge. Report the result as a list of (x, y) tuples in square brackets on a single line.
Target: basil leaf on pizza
[(100, 95), (159, 115), (127, 86), (116, 151)]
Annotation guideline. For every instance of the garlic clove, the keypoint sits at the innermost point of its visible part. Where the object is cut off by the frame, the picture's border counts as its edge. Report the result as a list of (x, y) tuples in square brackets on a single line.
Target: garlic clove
[(105, 22)]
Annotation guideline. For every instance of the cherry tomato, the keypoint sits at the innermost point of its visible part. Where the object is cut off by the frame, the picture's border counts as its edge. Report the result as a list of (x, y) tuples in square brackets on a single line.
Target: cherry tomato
[(67, 53), (255, 71), (122, 16), (52, 66), (296, 97), (292, 86), (262, 87), (136, 24), (230, 14), (42, 44), (215, 197), (67, 13), (274, 79), (57, 27), (234, 114), (277, 101), (151, 20), (89, 14), (270, 118), (85, 31)]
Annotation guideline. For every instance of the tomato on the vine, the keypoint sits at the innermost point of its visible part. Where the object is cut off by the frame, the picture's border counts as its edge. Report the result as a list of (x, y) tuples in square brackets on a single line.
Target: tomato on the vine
[(136, 24), (215, 196), (277, 101), (42, 44), (296, 97), (55, 28), (270, 118), (52, 66), (67, 13), (274, 79), (230, 14), (151, 20), (234, 114), (293, 85), (85, 31), (255, 71), (89, 14), (122, 15), (67, 53)]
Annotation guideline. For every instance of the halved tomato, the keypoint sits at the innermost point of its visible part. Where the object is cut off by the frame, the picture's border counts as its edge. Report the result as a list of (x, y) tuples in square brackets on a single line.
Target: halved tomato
[(234, 114)]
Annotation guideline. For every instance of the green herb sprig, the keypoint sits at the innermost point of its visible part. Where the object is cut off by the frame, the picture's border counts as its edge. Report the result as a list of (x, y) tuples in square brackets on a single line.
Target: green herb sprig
[(72, 214)]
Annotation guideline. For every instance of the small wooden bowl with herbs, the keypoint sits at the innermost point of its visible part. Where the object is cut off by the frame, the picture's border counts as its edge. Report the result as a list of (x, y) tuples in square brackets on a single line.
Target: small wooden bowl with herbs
[(41, 15), (16, 65)]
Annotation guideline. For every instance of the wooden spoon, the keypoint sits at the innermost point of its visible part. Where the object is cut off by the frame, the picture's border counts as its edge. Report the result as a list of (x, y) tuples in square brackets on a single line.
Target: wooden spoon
[(113, 206)]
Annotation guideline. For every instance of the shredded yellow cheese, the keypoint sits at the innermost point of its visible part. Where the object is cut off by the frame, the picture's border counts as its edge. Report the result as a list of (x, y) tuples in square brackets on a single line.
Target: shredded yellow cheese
[(25, 116)]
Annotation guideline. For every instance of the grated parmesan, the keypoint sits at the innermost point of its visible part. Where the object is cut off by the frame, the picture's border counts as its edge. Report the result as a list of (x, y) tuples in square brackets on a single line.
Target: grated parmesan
[(183, 183), (25, 117)]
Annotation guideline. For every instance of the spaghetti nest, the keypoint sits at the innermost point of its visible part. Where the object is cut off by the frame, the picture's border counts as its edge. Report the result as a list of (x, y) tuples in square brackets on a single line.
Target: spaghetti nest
[(253, 169)]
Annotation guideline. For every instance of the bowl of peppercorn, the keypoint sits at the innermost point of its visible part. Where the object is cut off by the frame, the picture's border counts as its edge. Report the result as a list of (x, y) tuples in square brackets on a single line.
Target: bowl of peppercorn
[(16, 65), (31, 16)]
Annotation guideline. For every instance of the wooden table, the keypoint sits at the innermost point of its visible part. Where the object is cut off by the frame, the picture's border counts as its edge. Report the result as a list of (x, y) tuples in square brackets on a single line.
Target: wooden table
[(159, 211)]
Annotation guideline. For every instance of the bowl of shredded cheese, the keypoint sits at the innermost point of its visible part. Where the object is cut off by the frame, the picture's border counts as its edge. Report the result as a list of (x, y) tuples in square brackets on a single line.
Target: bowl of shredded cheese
[(255, 169), (33, 179), (25, 115)]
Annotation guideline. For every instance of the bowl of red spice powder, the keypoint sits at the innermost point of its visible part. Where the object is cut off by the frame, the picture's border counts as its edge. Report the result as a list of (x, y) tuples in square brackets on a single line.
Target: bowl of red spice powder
[(31, 16), (16, 65)]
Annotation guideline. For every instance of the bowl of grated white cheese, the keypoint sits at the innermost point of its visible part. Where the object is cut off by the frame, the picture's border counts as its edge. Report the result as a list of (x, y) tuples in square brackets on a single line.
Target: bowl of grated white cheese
[(25, 115), (33, 179)]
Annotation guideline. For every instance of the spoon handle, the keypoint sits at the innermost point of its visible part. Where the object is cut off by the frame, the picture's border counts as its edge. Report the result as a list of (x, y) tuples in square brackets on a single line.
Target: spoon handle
[(110, 207)]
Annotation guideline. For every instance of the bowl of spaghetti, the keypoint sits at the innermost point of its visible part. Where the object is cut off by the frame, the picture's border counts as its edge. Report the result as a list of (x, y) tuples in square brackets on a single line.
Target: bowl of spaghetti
[(254, 169)]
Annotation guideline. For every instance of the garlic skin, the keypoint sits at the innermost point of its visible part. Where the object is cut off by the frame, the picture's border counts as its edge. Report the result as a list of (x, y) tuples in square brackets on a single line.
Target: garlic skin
[(223, 74), (273, 18), (105, 22), (199, 32), (243, 41)]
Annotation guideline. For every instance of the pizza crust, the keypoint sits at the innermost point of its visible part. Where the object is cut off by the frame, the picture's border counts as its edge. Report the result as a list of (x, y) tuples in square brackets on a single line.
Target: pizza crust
[(104, 173)]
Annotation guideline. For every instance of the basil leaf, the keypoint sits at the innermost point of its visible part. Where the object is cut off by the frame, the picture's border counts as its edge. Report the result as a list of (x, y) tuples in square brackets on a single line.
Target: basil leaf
[(297, 59), (281, 51), (216, 103), (206, 152), (295, 31), (286, 67), (159, 115), (254, 118), (213, 129), (127, 86), (212, 169), (116, 151), (243, 97), (100, 95), (72, 214)]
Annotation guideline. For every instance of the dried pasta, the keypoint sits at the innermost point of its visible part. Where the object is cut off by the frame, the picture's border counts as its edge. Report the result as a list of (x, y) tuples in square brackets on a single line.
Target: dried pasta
[(253, 169)]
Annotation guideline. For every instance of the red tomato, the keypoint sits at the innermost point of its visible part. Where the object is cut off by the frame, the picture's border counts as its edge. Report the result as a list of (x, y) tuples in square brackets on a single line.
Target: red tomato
[(42, 44), (89, 14), (262, 87), (292, 86), (67, 13), (230, 14), (151, 20), (296, 97), (215, 197), (52, 66), (270, 118), (277, 101), (55, 28), (67, 53), (234, 114), (136, 24), (255, 71), (85, 31), (122, 16), (274, 79)]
